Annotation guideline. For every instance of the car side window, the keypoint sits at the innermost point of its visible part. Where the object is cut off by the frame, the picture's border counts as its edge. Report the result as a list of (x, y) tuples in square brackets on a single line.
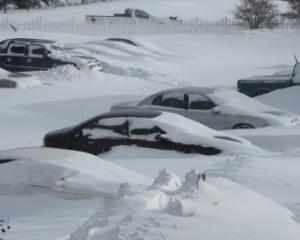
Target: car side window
[(142, 128), (17, 49), (157, 100), (141, 14), (128, 12), (174, 100), (200, 102), (37, 51), (107, 128)]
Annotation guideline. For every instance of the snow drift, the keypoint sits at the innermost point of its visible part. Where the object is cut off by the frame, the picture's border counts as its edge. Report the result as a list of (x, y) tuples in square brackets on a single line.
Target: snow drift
[(195, 208)]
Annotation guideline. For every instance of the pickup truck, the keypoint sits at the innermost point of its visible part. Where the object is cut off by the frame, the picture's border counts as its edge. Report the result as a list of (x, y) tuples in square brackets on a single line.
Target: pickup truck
[(129, 13), (255, 86)]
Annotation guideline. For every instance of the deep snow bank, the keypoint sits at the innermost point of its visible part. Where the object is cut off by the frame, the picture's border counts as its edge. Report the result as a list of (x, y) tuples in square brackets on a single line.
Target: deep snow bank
[(190, 209), (62, 171), (286, 98)]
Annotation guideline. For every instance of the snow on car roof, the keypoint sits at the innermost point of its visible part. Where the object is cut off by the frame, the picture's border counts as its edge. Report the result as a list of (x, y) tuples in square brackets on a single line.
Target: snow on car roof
[(224, 96), (31, 40), (129, 113), (202, 90)]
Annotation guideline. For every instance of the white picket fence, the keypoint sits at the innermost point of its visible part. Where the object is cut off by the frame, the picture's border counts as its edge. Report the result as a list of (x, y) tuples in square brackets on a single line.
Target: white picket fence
[(134, 27)]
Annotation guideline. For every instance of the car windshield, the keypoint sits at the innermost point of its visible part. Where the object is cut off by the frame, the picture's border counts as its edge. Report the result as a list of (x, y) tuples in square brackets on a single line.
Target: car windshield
[(296, 77), (56, 47)]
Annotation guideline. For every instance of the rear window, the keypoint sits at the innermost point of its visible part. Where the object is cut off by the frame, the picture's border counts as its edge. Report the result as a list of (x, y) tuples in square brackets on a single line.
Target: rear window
[(37, 51), (174, 100), (18, 49), (200, 102)]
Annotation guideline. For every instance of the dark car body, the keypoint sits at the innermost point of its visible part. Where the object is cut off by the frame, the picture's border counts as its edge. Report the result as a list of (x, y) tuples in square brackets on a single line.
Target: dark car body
[(115, 129), (21, 54), (256, 86)]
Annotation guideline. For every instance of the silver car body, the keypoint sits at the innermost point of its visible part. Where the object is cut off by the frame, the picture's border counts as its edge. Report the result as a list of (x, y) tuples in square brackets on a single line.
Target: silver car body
[(218, 108)]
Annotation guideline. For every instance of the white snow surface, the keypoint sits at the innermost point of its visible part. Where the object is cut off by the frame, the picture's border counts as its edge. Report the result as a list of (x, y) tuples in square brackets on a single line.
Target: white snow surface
[(204, 9), (215, 207), (220, 208), (21, 80), (63, 171)]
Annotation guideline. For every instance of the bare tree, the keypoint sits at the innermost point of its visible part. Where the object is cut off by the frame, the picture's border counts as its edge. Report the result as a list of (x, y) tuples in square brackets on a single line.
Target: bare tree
[(26, 4), (294, 8), (3, 5), (256, 12)]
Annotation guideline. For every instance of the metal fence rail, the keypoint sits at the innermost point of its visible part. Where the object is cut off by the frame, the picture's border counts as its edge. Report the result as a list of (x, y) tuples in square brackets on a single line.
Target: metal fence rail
[(134, 27)]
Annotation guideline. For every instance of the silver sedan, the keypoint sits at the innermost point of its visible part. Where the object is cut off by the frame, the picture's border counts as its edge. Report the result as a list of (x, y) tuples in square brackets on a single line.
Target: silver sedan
[(218, 108)]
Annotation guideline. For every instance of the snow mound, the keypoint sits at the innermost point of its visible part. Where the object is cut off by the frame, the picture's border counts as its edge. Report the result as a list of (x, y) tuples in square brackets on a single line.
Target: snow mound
[(69, 73), (18, 80), (62, 171), (212, 208), (290, 95), (145, 61), (28, 82), (166, 181)]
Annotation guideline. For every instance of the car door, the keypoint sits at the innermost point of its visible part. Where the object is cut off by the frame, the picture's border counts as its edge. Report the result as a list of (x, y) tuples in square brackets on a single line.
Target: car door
[(205, 111), (37, 58), (175, 102), (144, 133), (15, 59), (102, 134)]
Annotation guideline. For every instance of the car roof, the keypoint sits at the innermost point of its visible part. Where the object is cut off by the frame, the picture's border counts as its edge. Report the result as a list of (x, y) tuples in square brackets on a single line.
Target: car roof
[(30, 40), (202, 90), (123, 113), (132, 113)]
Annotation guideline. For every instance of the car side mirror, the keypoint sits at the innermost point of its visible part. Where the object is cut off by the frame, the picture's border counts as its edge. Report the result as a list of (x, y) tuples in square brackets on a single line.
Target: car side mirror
[(216, 110)]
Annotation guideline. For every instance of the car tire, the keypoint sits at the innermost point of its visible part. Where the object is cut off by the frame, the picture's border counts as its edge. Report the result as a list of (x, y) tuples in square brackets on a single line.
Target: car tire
[(243, 126)]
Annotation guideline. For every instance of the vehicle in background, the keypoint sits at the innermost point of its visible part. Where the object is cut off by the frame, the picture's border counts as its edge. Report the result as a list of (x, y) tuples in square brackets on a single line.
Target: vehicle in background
[(218, 108), (129, 13), (122, 40), (23, 54), (258, 85), (18, 80), (146, 129)]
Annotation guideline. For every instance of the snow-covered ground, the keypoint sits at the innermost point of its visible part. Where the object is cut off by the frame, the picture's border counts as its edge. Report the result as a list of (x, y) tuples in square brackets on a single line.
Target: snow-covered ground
[(173, 207), (203, 9)]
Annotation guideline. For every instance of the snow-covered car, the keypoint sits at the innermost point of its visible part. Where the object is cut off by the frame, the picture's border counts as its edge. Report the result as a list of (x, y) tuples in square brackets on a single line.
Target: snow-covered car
[(66, 172), (18, 80), (23, 54), (146, 129), (218, 108)]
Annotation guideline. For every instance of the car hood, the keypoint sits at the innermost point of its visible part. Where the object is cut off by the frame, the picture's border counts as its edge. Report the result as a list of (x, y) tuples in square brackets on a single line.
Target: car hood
[(124, 105), (231, 102)]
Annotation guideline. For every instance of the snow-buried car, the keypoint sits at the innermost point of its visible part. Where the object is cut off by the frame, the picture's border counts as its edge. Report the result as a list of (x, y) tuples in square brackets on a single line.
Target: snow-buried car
[(146, 129), (217, 108), (24, 54)]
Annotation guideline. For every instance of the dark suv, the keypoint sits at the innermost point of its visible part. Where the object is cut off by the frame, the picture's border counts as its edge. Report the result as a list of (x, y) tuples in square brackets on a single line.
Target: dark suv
[(23, 54)]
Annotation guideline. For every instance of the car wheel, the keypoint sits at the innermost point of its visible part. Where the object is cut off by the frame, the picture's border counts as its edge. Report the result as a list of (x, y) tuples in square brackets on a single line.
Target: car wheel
[(261, 92), (243, 126)]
